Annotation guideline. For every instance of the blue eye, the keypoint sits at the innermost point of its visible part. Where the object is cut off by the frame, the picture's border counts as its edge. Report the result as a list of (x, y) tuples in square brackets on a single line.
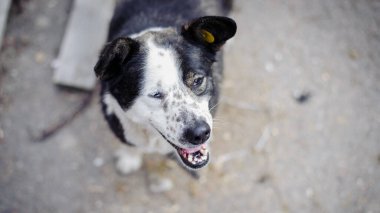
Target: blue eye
[(157, 95)]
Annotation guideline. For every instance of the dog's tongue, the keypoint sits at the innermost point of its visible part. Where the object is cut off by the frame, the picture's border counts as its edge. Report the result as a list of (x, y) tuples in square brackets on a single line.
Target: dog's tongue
[(192, 150)]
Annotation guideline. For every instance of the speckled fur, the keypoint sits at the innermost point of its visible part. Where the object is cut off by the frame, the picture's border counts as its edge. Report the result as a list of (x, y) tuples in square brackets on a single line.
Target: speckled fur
[(151, 50)]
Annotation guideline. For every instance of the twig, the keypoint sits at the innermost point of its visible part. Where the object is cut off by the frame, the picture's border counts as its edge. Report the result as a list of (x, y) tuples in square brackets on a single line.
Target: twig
[(50, 131), (263, 139)]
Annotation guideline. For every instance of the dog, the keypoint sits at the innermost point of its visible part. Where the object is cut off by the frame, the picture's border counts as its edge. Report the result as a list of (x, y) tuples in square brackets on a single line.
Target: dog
[(160, 74)]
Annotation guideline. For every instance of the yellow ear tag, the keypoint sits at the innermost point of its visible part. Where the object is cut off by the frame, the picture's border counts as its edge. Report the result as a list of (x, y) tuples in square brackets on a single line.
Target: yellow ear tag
[(207, 36)]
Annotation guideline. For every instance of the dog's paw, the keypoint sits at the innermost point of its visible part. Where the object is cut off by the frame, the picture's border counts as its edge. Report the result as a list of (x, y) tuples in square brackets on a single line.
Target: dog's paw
[(127, 162)]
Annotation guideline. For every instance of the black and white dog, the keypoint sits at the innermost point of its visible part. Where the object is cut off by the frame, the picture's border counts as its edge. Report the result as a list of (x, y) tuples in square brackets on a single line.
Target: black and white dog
[(160, 76)]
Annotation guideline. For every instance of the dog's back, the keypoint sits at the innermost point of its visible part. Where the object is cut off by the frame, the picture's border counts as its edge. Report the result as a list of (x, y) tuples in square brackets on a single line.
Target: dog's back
[(133, 16)]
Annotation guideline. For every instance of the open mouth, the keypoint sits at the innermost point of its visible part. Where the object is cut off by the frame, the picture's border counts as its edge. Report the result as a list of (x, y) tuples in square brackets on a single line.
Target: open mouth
[(194, 158)]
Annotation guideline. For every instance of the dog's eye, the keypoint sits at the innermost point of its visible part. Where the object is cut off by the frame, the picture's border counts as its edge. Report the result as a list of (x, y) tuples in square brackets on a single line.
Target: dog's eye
[(198, 81), (199, 85), (157, 95)]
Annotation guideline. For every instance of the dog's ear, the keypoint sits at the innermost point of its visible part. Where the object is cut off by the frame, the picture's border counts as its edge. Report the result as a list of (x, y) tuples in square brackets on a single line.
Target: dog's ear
[(212, 31), (112, 57)]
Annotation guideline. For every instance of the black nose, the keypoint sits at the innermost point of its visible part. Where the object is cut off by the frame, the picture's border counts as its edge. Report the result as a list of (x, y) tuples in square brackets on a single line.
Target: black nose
[(198, 133)]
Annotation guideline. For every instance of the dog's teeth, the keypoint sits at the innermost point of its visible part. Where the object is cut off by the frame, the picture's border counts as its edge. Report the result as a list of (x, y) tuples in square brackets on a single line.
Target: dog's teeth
[(204, 157), (190, 158), (204, 151)]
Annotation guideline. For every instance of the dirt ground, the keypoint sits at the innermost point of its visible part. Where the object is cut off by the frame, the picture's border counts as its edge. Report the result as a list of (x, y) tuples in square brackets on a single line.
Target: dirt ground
[(298, 128)]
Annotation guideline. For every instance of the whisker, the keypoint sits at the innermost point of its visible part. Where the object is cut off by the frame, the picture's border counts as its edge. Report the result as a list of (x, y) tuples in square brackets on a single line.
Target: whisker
[(220, 124), (215, 105), (219, 121)]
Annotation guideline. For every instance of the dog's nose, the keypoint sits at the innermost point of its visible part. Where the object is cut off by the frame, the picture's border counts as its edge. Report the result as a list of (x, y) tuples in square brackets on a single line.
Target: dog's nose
[(198, 134)]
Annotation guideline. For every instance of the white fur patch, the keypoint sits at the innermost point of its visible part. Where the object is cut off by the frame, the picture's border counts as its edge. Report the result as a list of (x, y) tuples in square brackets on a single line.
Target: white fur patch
[(161, 67)]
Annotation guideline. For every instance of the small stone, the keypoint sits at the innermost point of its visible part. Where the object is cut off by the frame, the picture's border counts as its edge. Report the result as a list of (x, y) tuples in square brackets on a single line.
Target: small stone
[(227, 136), (1, 134), (120, 187), (98, 162), (52, 4), (325, 77), (160, 184), (40, 57), (302, 97), (94, 188), (309, 192), (42, 22), (360, 182), (269, 67), (275, 131), (352, 54), (278, 56), (194, 189), (264, 178), (341, 119), (172, 208)]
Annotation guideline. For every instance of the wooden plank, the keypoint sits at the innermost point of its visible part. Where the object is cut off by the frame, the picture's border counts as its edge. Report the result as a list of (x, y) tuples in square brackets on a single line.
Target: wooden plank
[(85, 35), (4, 9)]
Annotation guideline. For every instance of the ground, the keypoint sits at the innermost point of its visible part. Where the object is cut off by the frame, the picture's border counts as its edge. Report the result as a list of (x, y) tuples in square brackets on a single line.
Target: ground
[(298, 127)]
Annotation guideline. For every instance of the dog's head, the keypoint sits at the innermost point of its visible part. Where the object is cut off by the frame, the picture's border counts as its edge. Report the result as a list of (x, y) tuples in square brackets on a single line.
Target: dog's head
[(163, 78)]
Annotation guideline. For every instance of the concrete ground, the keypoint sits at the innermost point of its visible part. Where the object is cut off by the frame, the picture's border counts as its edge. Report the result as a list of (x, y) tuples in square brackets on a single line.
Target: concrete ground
[(298, 129)]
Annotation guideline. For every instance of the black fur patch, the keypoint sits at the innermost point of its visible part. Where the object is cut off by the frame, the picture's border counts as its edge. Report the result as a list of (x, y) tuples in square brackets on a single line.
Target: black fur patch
[(126, 86), (115, 125)]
